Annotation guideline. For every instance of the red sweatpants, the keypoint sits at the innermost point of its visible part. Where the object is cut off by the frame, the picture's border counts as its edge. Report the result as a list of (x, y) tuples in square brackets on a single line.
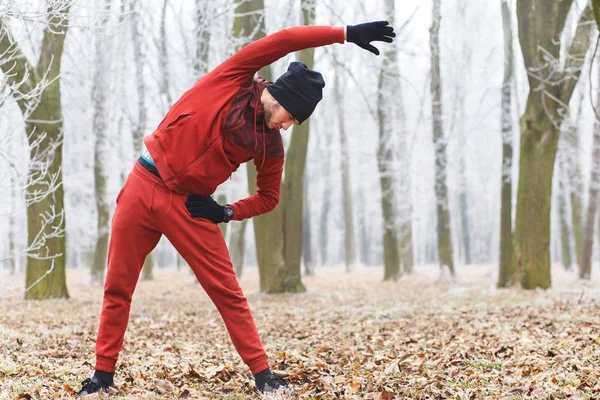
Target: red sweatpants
[(145, 210)]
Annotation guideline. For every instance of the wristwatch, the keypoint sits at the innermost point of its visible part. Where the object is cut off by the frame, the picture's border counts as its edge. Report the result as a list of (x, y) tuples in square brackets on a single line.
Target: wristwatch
[(228, 213)]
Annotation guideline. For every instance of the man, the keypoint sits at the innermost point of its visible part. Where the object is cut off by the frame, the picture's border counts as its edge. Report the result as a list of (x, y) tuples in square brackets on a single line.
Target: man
[(227, 118)]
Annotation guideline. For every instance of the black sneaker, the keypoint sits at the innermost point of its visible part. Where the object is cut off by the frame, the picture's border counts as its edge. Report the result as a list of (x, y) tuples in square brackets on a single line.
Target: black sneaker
[(90, 386), (273, 384)]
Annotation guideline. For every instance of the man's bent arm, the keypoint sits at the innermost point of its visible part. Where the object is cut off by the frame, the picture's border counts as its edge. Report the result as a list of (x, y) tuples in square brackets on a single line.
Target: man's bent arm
[(266, 198)]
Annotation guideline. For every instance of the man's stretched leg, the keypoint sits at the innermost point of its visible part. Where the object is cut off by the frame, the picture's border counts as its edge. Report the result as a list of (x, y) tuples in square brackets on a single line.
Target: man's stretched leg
[(133, 236), (200, 242)]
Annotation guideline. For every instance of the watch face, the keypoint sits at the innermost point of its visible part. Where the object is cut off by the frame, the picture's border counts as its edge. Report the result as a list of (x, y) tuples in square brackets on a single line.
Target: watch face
[(229, 212)]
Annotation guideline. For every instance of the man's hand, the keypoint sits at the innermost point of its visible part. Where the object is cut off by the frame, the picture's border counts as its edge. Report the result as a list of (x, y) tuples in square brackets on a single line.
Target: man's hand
[(205, 207), (364, 34)]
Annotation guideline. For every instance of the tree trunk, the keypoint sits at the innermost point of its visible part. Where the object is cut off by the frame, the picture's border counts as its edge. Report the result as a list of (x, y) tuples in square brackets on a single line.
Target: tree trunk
[(506, 273), (326, 208), (404, 202), (287, 276), (540, 127), (391, 256), (164, 60), (596, 8), (577, 218), (202, 37), (12, 225), (237, 246), (459, 120), (388, 118), (363, 230), (222, 199), (439, 142), (464, 214), (99, 127), (585, 269), (349, 241), (532, 229), (564, 227), (46, 254), (307, 254)]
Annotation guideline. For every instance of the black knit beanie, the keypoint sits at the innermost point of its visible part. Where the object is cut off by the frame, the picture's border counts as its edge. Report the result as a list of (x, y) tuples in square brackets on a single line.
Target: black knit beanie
[(298, 90)]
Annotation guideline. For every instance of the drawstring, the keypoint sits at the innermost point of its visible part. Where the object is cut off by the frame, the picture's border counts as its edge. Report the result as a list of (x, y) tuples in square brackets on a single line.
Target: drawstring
[(170, 197), (264, 145), (152, 200), (256, 135)]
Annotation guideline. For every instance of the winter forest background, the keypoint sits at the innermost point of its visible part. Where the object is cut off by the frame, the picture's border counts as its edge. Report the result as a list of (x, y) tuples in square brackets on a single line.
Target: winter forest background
[(124, 62), (432, 184)]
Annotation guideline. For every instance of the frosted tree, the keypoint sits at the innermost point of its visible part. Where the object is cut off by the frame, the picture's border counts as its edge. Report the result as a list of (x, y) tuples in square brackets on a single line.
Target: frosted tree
[(551, 84), (42, 113), (506, 265), (440, 142)]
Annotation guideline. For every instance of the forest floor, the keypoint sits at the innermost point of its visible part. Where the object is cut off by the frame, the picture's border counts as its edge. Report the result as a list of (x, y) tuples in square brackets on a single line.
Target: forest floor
[(351, 336)]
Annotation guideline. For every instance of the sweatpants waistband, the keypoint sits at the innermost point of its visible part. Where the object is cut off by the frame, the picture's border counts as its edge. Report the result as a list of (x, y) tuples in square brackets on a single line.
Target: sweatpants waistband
[(149, 167)]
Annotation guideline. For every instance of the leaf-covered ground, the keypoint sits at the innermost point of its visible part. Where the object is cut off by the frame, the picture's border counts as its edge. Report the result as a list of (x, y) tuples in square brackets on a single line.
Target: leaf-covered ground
[(350, 337)]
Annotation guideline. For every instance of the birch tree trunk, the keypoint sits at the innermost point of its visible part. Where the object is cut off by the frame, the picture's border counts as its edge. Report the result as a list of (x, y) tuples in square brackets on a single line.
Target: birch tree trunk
[(551, 86), (46, 253), (439, 142), (99, 120), (585, 269), (506, 274)]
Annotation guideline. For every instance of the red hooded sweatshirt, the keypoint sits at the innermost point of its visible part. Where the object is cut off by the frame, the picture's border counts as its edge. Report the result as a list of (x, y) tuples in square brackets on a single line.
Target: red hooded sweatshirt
[(218, 124)]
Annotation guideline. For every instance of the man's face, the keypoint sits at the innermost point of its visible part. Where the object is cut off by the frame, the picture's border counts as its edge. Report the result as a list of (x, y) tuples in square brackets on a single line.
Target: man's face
[(277, 117)]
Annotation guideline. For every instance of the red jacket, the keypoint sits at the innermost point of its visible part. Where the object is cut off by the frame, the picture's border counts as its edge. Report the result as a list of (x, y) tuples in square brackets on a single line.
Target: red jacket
[(217, 124)]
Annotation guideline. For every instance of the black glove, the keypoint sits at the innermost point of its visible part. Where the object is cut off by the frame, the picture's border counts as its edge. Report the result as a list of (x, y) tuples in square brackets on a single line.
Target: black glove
[(364, 34), (205, 207)]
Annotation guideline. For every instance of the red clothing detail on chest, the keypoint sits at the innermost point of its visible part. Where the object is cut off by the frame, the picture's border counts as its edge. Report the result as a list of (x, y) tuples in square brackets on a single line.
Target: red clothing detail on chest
[(195, 149)]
